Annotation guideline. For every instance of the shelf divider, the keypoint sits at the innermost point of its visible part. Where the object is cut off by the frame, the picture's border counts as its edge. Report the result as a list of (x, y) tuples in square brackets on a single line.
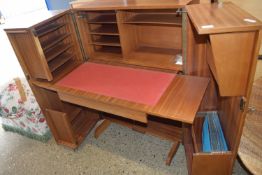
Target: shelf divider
[(51, 42), (59, 61), (57, 50)]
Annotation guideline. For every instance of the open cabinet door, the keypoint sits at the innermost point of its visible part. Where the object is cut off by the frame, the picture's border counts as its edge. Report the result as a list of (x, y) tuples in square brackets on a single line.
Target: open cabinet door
[(46, 44), (226, 51)]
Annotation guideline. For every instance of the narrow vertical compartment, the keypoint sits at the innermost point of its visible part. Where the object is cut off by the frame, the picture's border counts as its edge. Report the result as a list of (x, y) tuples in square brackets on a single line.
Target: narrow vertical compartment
[(100, 35)]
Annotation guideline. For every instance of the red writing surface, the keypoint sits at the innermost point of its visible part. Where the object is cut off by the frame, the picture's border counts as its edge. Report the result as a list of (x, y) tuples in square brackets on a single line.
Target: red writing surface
[(135, 85)]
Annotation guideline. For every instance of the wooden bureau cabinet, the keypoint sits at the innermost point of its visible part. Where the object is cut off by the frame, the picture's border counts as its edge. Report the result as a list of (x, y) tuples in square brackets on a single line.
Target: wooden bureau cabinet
[(218, 44)]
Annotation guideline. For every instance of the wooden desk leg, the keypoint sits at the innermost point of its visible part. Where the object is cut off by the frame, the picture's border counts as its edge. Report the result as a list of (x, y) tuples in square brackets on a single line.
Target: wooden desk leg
[(102, 127), (172, 152)]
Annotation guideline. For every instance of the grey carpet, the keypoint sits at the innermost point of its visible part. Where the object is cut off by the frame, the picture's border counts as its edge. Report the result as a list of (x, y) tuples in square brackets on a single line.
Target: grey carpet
[(117, 151)]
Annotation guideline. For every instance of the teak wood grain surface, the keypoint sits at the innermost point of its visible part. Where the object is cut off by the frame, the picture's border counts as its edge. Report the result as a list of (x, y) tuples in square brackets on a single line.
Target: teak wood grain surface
[(129, 4), (225, 17)]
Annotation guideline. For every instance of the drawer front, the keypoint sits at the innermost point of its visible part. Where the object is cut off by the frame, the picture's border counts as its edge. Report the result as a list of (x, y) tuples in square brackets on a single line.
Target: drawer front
[(109, 108)]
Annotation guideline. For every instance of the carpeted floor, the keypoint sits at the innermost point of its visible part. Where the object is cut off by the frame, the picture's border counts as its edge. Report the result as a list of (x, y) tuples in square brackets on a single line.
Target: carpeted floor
[(117, 151)]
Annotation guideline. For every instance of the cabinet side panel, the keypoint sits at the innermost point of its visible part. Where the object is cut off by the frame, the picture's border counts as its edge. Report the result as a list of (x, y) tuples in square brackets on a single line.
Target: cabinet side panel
[(232, 118), (128, 34), (196, 64), (232, 54), (26, 52)]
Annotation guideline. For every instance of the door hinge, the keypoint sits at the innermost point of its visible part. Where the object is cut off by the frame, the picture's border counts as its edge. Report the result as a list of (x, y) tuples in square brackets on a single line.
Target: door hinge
[(243, 102)]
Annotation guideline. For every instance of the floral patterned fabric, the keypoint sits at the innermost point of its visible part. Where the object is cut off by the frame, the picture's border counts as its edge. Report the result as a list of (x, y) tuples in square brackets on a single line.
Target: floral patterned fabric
[(27, 115)]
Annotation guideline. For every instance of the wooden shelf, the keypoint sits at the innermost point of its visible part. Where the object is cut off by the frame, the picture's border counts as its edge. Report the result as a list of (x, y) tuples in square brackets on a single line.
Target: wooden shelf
[(108, 54), (52, 41), (57, 50), (47, 29), (59, 61), (83, 124), (106, 30), (107, 41), (167, 19), (155, 57), (115, 50), (72, 132), (104, 19)]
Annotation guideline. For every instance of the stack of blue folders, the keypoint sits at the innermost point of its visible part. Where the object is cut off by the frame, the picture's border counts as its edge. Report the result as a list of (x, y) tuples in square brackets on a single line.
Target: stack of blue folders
[(213, 139)]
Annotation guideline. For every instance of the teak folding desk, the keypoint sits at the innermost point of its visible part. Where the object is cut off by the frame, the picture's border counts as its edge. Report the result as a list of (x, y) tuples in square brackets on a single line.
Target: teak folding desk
[(120, 61)]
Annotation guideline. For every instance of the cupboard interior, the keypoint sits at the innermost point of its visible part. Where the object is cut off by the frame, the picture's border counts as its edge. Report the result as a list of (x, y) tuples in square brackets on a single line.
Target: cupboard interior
[(133, 37)]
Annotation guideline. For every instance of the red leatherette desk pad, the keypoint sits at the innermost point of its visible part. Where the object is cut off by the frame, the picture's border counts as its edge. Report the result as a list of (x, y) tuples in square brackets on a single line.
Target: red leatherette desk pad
[(135, 85)]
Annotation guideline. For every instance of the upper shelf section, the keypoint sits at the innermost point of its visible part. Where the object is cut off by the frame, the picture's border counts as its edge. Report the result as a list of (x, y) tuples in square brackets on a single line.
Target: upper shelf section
[(168, 19), (129, 4), (221, 18)]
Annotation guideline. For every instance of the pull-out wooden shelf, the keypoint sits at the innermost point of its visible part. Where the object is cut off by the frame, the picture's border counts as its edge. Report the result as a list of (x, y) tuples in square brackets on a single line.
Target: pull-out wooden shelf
[(180, 101)]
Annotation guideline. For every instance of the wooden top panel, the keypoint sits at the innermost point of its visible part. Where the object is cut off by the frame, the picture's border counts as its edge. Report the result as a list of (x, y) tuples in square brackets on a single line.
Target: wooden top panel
[(31, 20), (128, 4), (179, 102), (221, 18)]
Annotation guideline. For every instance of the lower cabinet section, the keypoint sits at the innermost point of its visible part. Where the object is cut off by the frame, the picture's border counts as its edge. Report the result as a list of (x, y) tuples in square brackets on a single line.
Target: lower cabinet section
[(202, 163), (70, 128)]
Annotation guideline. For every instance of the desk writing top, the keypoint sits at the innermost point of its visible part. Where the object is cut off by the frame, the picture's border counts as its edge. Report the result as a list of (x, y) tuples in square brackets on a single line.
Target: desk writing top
[(179, 102), (128, 4), (221, 18)]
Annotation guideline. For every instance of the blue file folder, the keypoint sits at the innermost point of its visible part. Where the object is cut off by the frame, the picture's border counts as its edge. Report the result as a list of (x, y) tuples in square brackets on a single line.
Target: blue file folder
[(213, 139)]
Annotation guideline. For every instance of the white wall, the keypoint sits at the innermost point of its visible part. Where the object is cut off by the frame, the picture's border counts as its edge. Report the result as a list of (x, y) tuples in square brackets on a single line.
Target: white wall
[(9, 66), (11, 8)]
